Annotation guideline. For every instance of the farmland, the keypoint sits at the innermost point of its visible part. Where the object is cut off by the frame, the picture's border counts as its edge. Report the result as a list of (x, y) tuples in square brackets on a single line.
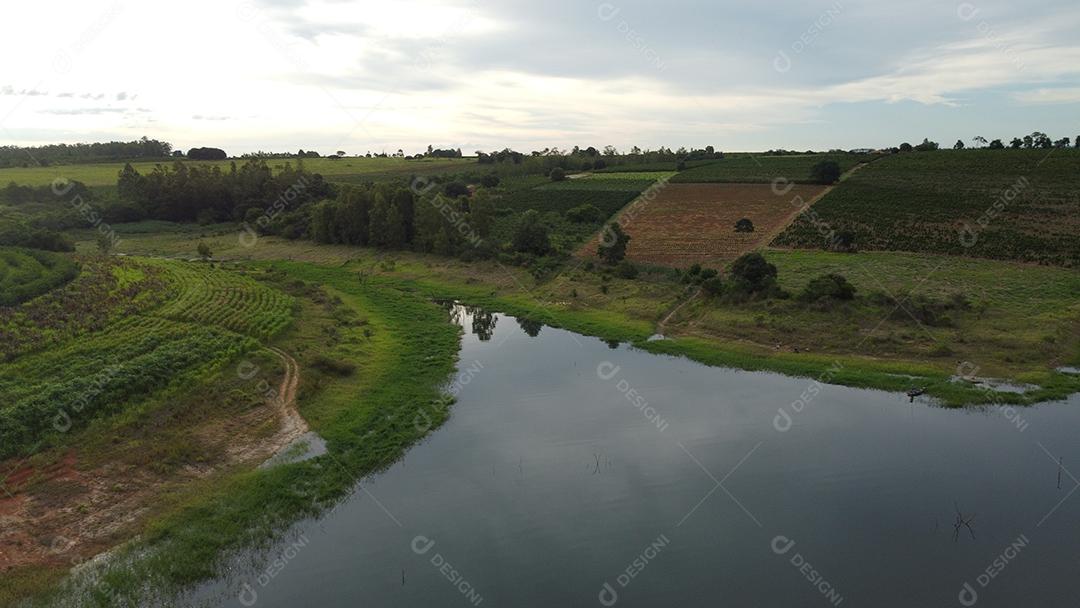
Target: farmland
[(27, 273), (695, 223), (763, 169), (348, 169), (1004, 204), (121, 332)]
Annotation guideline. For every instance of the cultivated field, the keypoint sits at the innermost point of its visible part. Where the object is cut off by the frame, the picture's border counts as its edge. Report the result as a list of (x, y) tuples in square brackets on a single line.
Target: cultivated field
[(1006, 204), (27, 273), (349, 169), (695, 223), (755, 168)]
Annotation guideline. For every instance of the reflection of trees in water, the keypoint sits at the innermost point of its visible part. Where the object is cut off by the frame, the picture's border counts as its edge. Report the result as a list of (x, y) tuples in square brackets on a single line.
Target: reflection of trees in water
[(612, 344), (453, 310), (530, 327), (483, 323)]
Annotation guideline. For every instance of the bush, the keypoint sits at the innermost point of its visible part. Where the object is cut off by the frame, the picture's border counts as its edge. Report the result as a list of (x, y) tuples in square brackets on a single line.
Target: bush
[(744, 225), (490, 180), (612, 248), (828, 286), (825, 172), (557, 174), (456, 189), (584, 214), (626, 270), (713, 286), (752, 272), (333, 367), (531, 235)]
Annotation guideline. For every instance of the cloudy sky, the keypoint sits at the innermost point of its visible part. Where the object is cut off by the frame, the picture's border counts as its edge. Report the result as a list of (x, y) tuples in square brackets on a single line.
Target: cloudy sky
[(375, 75)]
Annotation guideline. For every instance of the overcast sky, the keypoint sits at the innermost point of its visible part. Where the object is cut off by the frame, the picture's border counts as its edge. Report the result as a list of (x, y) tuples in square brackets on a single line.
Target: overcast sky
[(367, 75)]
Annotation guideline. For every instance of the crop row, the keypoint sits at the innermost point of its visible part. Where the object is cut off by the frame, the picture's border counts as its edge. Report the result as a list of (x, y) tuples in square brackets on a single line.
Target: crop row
[(1012, 204), (51, 392), (226, 299)]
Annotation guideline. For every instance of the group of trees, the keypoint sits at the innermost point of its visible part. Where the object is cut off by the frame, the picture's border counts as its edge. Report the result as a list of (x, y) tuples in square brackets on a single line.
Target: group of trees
[(207, 194), (207, 154), (17, 156), (1037, 140), (393, 216)]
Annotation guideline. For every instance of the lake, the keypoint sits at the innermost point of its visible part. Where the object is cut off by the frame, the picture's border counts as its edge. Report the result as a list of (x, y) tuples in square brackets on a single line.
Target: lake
[(572, 473)]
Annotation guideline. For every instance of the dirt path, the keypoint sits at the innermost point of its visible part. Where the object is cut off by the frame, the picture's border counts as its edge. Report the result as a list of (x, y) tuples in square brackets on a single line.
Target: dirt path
[(662, 325), (766, 242)]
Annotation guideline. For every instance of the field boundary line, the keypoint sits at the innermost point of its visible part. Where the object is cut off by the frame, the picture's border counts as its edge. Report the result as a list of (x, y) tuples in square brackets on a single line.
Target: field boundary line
[(767, 242)]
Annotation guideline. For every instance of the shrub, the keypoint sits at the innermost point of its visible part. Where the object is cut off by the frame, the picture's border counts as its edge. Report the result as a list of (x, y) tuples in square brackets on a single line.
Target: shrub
[(752, 273), (828, 286), (557, 174), (490, 180), (612, 248), (825, 172), (531, 235), (455, 189), (584, 213), (333, 366), (713, 286), (744, 225), (627, 270)]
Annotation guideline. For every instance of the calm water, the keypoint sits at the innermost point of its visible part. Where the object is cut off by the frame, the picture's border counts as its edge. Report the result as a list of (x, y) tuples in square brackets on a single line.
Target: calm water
[(553, 486)]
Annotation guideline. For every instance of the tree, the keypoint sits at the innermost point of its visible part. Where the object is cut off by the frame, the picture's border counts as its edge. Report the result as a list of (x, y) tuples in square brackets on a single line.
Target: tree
[(104, 244), (1077, 144), (204, 251), (1062, 143), (959, 145), (583, 214), (753, 273), (744, 225), (613, 240), (557, 174), (531, 235), (1016, 143), (832, 286), (1029, 141), (979, 140), (905, 147), (207, 154), (455, 189), (826, 172), (997, 145), (927, 145)]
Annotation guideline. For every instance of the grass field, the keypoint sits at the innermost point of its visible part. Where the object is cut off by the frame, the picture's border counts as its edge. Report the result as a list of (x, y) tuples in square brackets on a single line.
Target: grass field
[(1006, 204), (759, 169), (349, 170), (695, 223), (28, 273)]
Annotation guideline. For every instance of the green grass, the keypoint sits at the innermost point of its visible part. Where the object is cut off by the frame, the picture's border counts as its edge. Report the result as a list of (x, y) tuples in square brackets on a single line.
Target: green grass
[(933, 202), (344, 170), (28, 273), (753, 168)]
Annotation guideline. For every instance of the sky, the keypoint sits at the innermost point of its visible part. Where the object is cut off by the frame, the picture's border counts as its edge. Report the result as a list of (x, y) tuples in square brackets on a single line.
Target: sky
[(367, 75)]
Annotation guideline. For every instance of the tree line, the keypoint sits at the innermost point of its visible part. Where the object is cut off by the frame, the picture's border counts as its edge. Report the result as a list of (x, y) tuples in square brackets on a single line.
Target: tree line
[(31, 156), (206, 194)]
